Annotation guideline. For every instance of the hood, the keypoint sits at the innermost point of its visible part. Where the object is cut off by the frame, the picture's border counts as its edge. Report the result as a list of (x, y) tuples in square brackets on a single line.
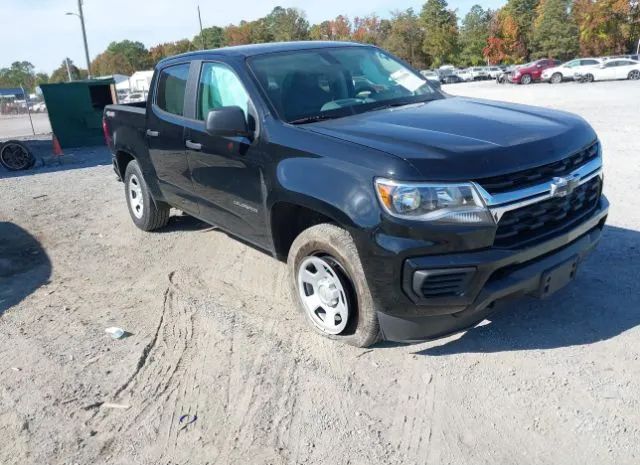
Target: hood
[(460, 139)]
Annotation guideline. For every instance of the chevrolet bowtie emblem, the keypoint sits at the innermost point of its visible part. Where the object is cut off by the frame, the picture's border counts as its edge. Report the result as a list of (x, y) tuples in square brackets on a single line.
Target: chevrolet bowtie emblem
[(561, 187)]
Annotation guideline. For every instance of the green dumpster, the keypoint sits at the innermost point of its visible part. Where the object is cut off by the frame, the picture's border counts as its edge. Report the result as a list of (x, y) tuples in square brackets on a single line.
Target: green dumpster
[(75, 110)]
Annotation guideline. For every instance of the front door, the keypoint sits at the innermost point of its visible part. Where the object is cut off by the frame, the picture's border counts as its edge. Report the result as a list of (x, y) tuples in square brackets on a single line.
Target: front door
[(166, 135), (226, 171)]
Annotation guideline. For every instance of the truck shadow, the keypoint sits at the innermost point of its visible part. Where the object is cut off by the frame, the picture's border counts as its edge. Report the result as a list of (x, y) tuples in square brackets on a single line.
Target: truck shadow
[(602, 303), (73, 158), (24, 265)]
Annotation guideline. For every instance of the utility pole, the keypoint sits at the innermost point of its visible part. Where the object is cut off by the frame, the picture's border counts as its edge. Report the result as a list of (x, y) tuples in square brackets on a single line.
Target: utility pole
[(80, 15), (84, 37), (66, 62), (638, 48), (200, 21)]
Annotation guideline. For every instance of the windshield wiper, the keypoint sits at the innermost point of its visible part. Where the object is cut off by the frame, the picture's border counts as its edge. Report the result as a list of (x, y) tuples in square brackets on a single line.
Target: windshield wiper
[(398, 104), (312, 119)]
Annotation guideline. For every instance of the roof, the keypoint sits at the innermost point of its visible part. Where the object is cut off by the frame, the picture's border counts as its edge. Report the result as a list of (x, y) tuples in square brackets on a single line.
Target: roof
[(261, 49)]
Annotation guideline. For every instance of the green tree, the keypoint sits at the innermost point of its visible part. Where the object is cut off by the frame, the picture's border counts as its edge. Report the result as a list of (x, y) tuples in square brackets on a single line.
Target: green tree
[(20, 73), (405, 37), (41, 78), (135, 56), (523, 13), (211, 37), (60, 73), (285, 24), (555, 33), (440, 41), (168, 49), (474, 34)]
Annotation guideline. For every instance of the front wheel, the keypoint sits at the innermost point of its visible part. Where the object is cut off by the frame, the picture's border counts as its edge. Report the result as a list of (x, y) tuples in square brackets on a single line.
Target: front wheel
[(329, 287), (525, 79), (634, 75), (146, 213), (556, 78)]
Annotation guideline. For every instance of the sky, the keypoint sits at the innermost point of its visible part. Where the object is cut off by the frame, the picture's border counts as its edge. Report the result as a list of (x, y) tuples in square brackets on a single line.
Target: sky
[(39, 31)]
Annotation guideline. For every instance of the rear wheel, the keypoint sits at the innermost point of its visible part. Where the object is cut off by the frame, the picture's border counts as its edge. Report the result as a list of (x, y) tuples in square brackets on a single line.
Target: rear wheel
[(525, 79), (634, 75), (589, 78), (328, 284), (556, 78), (15, 156), (146, 213)]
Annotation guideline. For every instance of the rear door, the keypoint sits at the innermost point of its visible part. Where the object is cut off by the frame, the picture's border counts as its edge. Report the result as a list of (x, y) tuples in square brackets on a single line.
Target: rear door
[(609, 71), (623, 69), (166, 135), (227, 171)]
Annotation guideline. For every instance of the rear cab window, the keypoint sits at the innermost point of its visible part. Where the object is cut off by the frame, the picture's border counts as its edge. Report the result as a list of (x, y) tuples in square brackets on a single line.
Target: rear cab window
[(171, 88)]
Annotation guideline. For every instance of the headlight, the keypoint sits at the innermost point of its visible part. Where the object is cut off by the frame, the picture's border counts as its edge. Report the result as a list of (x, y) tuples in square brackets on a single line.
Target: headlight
[(445, 203)]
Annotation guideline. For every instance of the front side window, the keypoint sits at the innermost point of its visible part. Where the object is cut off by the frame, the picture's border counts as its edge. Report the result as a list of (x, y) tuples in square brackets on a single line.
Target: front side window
[(335, 82), (589, 62), (172, 85), (220, 87), (572, 64)]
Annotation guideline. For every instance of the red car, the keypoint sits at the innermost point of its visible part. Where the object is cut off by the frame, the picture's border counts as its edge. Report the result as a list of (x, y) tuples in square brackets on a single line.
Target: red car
[(526, 74)]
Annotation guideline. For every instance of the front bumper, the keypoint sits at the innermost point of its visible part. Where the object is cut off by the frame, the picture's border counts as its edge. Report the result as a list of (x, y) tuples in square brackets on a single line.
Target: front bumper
[(499, 274)]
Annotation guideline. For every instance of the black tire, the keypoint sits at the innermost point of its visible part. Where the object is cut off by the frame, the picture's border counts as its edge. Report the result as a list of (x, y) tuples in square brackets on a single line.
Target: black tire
[(634, 75), (154, 215), (588, 78), (16, 156), (525, 79), (332, 242), (556, 78)]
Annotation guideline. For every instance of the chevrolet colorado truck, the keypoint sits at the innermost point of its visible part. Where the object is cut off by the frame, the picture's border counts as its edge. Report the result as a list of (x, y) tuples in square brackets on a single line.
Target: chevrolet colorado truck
[(403, 213)]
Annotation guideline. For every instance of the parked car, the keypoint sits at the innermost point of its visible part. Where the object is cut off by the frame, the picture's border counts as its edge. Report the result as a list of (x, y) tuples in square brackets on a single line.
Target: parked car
[(478, 72), (609, 70), (531, 72), (430, 75), (465, 74), (390, 226), (448, 75), (566, 71), (494, 71)]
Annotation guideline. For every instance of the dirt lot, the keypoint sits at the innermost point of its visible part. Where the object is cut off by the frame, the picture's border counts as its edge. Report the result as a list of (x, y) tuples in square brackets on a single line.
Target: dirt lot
[(19, 125), (213, 335)]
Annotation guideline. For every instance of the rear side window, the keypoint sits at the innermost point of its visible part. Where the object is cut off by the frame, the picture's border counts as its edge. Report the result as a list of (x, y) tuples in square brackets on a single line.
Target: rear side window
[(220, 87), (589, 62), (172, 85)]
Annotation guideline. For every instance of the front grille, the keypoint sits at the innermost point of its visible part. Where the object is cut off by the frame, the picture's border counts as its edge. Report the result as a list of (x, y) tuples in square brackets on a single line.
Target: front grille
[(443, 283), (539, 220), (533, 176)]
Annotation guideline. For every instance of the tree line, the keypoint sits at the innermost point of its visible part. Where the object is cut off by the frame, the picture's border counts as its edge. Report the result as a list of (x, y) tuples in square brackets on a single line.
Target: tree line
[(519, 31)]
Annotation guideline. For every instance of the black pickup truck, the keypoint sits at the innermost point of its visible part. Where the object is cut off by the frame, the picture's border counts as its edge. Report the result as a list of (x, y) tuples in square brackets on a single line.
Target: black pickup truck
[(403, 213)]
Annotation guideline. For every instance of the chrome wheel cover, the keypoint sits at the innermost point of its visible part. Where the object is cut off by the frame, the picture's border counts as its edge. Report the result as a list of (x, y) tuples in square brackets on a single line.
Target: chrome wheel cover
[(323, 294), (135, 196)]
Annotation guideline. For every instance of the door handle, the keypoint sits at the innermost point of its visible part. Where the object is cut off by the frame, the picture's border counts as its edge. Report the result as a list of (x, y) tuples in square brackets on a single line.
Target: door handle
[(151, 133), (193, 145)]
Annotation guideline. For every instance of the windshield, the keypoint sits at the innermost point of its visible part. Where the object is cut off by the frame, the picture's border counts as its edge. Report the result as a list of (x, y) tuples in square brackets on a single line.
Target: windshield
[(334, 82)]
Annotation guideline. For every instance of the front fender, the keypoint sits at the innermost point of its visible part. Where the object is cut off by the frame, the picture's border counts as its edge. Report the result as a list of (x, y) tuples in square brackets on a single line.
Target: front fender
[(332, 187)]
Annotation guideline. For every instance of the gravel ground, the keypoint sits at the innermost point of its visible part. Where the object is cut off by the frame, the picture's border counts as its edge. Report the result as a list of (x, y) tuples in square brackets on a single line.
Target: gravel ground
[(12, 127), (212, 335)]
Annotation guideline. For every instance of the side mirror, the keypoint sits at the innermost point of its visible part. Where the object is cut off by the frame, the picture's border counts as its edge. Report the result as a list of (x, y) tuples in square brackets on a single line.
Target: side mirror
[(227, 122), (538, 66)]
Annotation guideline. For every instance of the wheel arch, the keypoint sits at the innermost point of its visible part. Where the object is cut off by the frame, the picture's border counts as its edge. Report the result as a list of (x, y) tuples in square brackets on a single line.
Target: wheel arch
[(288, 218)]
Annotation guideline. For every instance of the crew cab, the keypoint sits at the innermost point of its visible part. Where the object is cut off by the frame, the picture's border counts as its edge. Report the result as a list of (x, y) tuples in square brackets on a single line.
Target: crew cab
[(531, 72), (403, 213)]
